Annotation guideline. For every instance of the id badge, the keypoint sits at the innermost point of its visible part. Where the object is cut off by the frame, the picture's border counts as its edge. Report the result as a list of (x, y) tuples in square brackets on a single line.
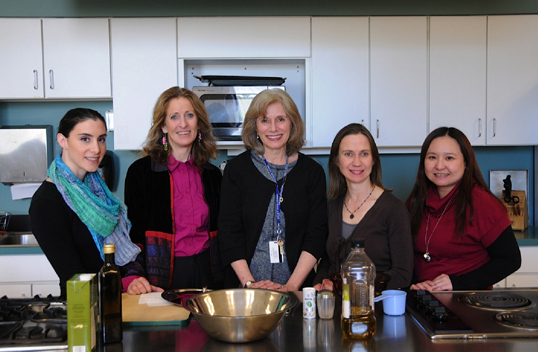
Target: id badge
[(274, 252)]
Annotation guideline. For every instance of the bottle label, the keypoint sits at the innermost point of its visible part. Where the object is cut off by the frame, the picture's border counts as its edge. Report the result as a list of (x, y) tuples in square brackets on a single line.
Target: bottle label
[(346, 307)]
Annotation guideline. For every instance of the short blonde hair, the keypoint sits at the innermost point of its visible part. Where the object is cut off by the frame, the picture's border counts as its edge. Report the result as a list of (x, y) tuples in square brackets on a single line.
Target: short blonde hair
[(258, 108)]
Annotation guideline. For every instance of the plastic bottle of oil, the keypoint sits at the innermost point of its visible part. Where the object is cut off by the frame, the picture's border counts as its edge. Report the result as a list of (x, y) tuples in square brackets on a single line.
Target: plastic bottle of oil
[(358, 276)]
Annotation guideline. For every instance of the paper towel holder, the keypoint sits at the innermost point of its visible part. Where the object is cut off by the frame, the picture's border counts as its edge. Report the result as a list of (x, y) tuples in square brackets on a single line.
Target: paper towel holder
[(25, 153)]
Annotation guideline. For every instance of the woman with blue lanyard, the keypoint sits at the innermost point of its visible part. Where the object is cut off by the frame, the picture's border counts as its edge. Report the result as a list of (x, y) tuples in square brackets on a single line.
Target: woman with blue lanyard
[(273, 210), (73, 213)]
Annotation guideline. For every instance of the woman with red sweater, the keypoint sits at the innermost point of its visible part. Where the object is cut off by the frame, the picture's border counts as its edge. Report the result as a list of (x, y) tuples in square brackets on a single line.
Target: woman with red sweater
[(463, 239)]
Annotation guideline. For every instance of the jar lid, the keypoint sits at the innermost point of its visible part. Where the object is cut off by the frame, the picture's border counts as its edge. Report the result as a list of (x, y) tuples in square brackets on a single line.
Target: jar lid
[(326, 293)]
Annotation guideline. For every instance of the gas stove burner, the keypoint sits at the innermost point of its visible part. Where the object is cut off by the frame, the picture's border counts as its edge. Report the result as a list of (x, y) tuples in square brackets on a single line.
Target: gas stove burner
[(496, 300), (37, 321), (525, 320)]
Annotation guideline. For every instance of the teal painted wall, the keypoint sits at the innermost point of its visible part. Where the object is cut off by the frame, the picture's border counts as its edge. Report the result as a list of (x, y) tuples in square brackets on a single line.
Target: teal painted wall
[(399, 170)]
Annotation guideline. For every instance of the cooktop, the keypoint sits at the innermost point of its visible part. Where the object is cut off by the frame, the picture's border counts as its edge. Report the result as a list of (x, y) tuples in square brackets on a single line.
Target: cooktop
[(475, 314)]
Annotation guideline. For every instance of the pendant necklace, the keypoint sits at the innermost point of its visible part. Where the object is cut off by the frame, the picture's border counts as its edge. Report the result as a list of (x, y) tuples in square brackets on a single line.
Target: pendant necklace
[(427, 240), (351, 216)]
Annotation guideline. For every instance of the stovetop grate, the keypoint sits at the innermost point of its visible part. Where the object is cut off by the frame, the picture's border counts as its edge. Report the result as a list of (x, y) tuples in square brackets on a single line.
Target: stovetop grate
[(36, 321)]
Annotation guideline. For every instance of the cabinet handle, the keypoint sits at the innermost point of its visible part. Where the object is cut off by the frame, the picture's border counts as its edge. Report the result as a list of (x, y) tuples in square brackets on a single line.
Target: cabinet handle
[(377, 128), (479, 127), (494, 132), (51, 76), (362, 122), (36, 83)]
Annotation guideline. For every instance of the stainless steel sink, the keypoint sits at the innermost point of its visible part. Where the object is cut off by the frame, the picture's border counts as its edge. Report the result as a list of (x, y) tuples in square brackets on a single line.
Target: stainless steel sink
[(18, 239)]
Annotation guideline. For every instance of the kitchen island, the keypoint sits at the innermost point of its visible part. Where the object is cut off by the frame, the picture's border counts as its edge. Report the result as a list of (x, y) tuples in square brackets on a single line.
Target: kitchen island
[(298, 334)]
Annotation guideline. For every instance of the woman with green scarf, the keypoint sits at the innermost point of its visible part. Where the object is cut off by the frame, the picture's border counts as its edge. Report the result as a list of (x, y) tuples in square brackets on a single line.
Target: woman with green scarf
[(73, 213)]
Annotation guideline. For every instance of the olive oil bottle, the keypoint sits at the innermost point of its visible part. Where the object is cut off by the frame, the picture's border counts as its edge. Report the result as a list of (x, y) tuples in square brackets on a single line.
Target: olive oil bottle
[(110, 298), (358, 276)]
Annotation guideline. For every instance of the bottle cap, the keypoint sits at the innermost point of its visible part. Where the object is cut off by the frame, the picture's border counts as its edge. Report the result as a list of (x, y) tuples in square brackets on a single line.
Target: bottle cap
[(357, 242), (109, 248)]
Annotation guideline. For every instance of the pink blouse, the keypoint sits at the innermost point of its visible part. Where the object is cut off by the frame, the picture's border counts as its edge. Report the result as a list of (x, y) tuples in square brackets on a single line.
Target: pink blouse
[(190, 211)]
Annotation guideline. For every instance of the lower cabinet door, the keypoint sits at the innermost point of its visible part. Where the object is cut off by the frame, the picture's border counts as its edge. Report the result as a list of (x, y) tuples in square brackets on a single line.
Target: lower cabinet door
[(43, 290), (522, 280), (16, 290)]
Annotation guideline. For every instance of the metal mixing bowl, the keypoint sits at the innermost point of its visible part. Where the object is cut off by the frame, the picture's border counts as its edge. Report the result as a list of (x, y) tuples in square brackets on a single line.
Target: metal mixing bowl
[(240, 315)]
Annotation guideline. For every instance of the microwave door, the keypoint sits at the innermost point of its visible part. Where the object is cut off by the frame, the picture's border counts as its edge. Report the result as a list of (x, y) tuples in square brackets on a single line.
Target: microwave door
[(225, 115)]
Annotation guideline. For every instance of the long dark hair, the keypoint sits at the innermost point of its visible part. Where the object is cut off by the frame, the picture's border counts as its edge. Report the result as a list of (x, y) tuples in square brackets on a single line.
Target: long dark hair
[(416, 203), (202, 151), (338, 184)]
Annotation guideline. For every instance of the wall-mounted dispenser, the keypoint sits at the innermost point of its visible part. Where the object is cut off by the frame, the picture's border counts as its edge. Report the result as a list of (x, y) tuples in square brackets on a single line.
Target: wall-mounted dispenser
[(25, 153)]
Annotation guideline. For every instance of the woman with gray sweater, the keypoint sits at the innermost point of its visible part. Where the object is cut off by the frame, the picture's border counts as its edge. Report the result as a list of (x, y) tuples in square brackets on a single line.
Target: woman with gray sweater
[(361, 207)]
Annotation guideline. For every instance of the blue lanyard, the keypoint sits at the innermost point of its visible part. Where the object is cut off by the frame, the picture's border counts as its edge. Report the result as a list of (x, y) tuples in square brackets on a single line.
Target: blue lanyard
[(278, 194)]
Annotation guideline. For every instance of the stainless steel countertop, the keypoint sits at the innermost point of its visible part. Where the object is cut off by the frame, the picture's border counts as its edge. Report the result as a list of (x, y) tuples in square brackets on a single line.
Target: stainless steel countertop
[(298, 334)]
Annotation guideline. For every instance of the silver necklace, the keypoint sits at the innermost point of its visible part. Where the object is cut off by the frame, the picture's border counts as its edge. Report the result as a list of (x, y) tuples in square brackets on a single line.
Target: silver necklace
[(351, 216), (427, 240)]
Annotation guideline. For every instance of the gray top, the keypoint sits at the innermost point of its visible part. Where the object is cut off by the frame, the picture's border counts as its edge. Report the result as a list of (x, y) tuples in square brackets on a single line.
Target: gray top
[(347, 229), (260, 266)]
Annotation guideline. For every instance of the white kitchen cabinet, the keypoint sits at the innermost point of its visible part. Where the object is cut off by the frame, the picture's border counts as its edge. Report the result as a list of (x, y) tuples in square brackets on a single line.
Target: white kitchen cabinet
[(243, 37), (399, 80), (144, 64), (340, 76), (16, 290), (43, 290), (512, 82), (21, 272), (76, 58), (458, 75), (527, 275), (21, 58), (59, 58)]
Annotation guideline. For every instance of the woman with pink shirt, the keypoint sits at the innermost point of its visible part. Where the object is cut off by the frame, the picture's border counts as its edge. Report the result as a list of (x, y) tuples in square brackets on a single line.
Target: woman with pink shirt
[(172, 195)]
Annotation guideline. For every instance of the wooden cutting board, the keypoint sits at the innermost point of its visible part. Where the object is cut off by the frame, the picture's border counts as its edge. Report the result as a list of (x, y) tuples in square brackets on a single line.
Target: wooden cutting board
[(134, 313)]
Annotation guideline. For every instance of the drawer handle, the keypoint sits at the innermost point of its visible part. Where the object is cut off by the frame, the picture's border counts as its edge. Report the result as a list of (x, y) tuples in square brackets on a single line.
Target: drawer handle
[(479, 127), (494, 130)]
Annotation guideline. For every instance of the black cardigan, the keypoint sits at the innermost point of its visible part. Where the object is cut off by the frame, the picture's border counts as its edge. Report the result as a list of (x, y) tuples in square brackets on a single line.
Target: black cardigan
[(149, 207), (245, 197)]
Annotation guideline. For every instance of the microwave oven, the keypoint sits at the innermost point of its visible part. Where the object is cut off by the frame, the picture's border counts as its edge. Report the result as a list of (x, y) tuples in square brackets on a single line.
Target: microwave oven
[(227, 106)]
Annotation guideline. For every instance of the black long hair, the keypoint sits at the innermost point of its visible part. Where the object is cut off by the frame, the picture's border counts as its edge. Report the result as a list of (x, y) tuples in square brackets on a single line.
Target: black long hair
[(416, 203)]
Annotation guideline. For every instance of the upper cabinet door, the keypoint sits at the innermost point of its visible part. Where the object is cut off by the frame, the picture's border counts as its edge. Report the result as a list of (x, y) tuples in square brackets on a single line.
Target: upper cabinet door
[(144, 64), (21, 58), (399, 67), (340, 76), (512, 80), (458, 75), (243, 37), (76, 58)]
